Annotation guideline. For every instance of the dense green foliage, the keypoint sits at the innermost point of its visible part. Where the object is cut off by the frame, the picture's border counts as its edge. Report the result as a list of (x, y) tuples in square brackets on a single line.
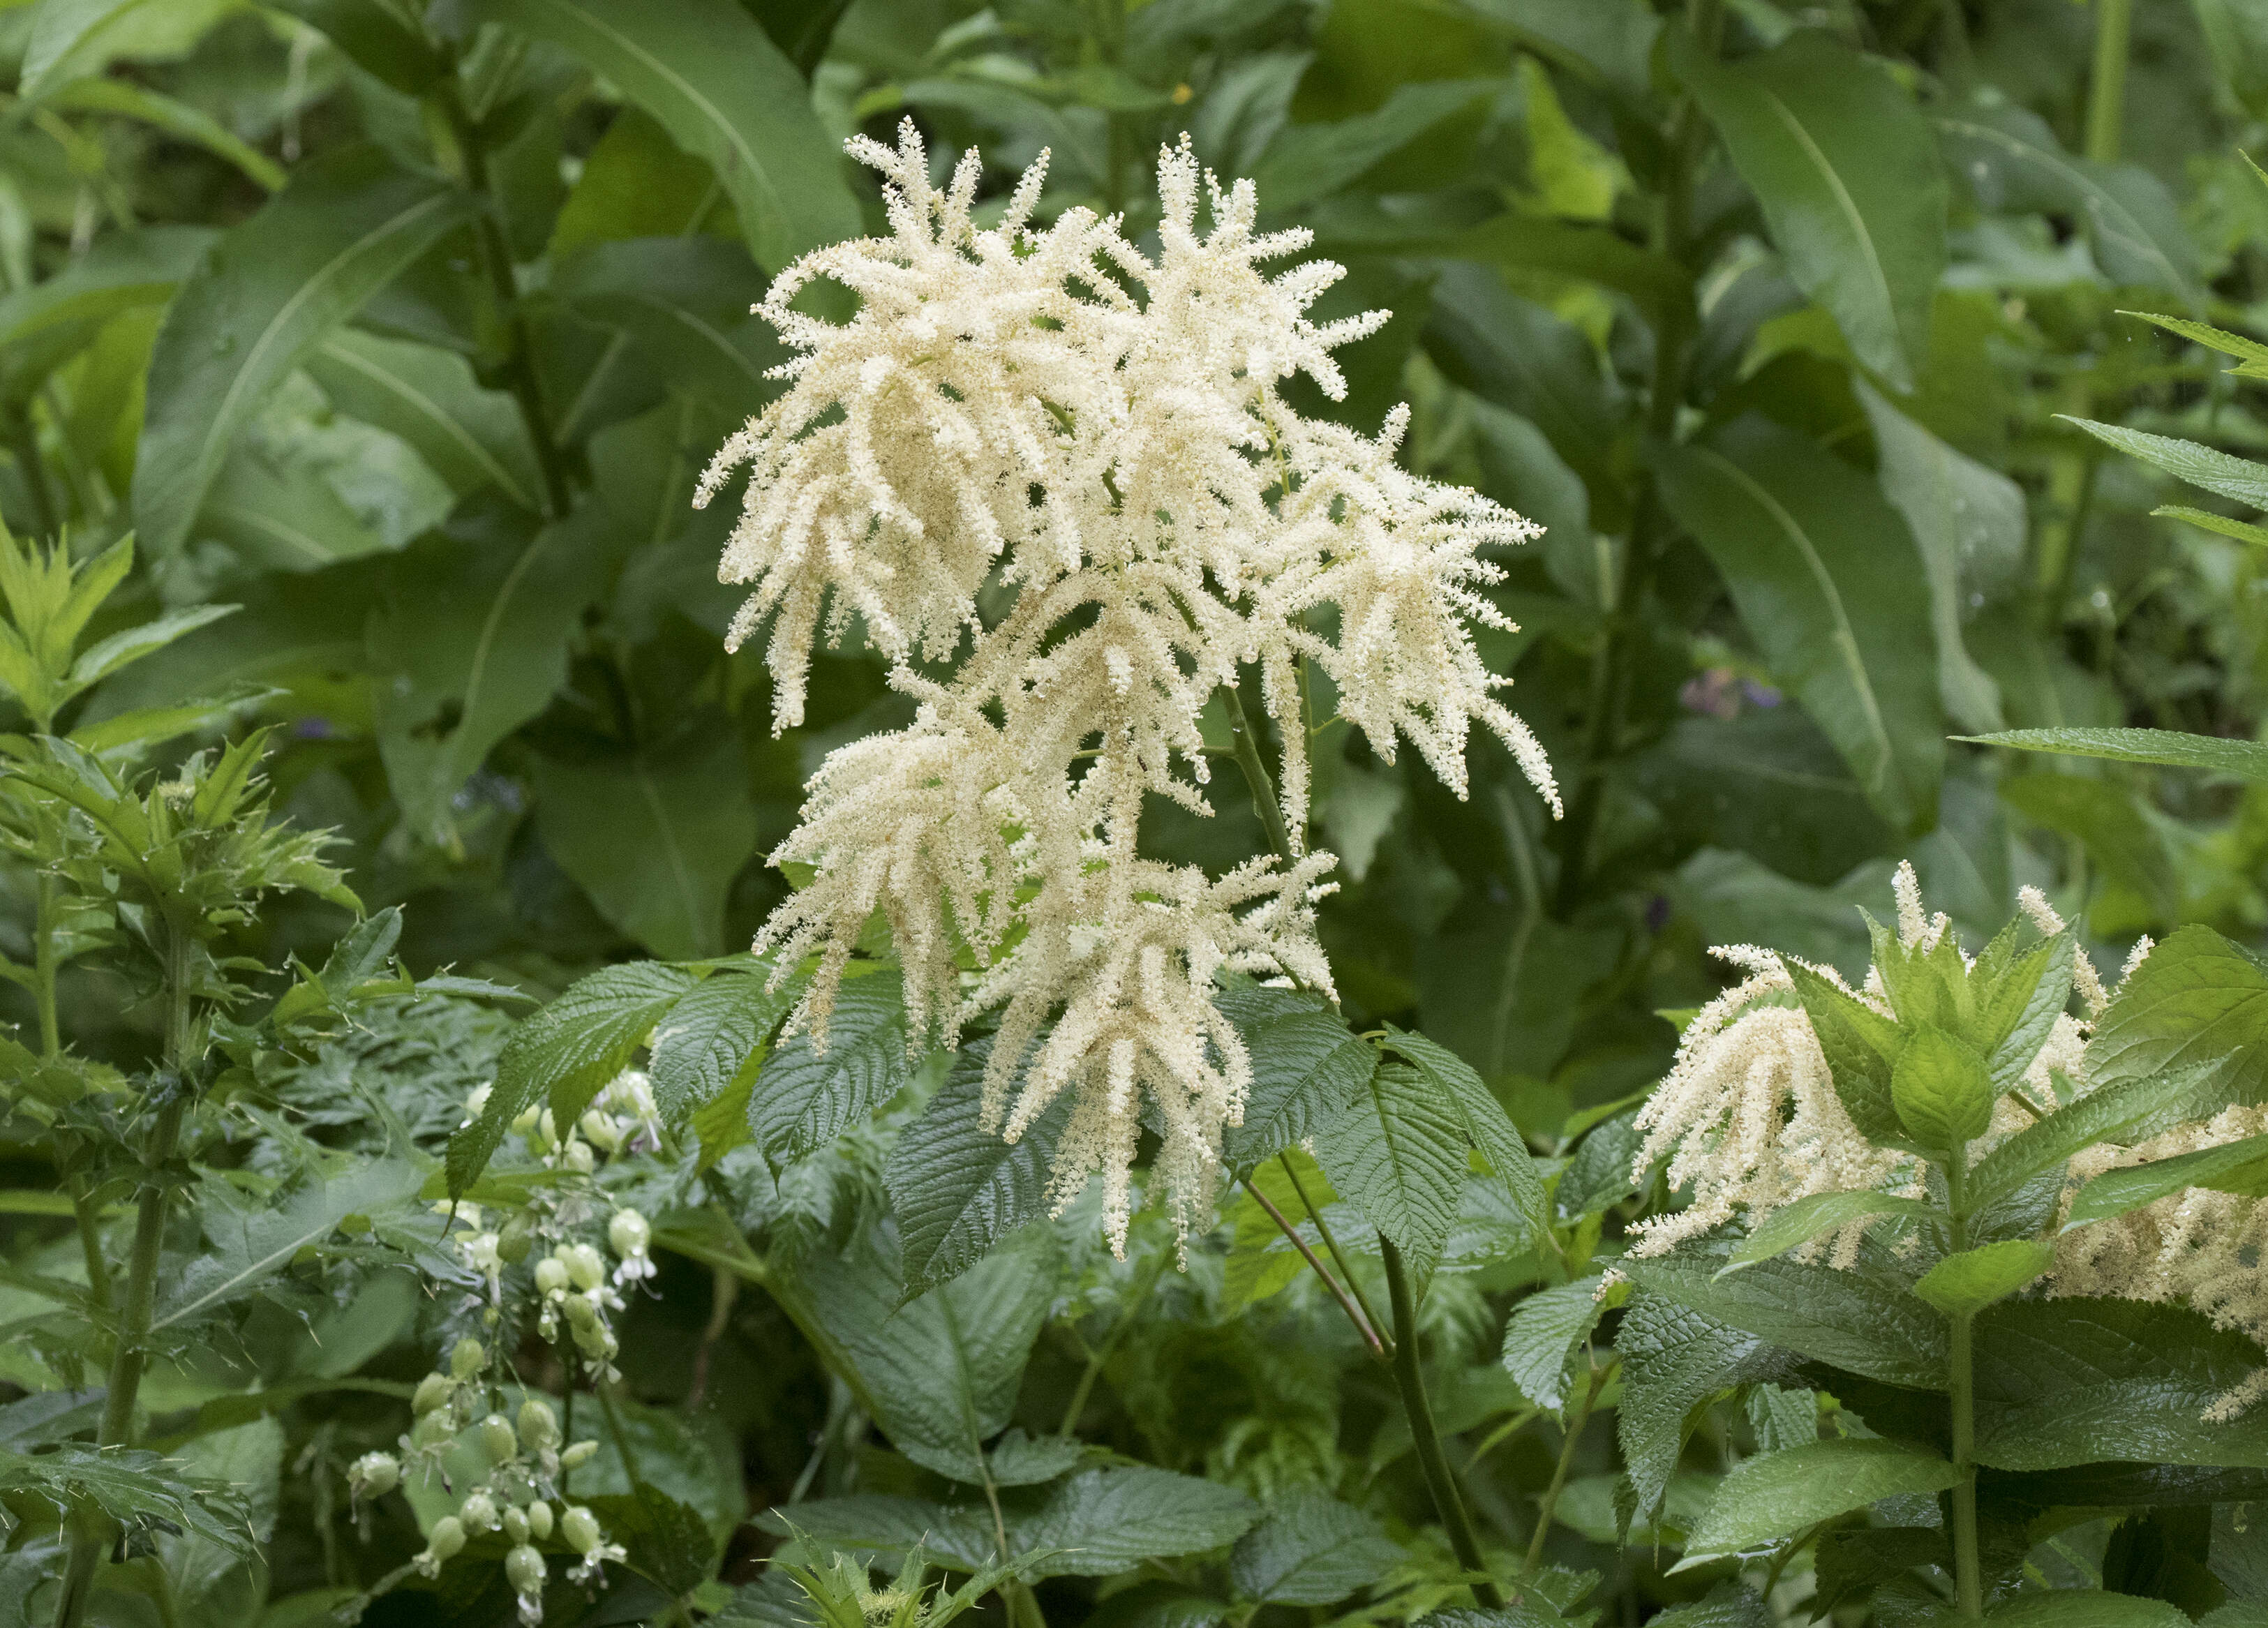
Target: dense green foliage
[(358, 359)]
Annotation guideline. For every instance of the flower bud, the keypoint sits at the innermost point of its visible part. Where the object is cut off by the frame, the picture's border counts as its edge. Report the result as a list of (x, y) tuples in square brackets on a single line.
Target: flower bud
[(525, 1570), (580, 1528), (580, 1312), (538, 1427), (539, 1519), (543, 1137), (433, 1394), (527, 1118), (431, 1430), (467, 1358), (550, 1275), (374, 1475), (577, 1455), (497, 1437), (478, 1511), (477, 1104), (628, 1232), (515, 1523), (577, 1157), (446, 1538), (516, 1237), (584, 1265), (600, 1130)]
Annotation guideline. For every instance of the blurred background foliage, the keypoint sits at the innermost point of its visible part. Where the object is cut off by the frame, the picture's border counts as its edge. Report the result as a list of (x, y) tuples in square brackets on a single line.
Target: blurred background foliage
[(407, 332)]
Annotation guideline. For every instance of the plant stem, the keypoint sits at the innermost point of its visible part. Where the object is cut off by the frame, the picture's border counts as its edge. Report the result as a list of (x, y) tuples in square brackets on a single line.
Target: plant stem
[(1551, 1503), (1968, 1587), (23, 442), (1440, 1480), (2106, 88), (131, 1354), (1265, 801), (1353, 1283), (521, 376), (1611, 665), (1101, 1355), (46, 963), (1362, 1324)]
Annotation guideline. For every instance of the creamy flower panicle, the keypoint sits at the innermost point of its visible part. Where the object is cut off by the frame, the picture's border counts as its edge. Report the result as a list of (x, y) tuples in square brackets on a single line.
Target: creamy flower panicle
[(1094, 439)]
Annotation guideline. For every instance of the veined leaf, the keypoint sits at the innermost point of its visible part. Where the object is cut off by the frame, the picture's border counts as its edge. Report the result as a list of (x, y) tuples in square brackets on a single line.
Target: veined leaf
[(2199, 1001), (1774, 1494), (2239, 1167), (1398, 1155), (1805, 1219), (246, 1246), (71, 40), (723, 91), (1824, 574), (805, 1098), (1543, 1333), (2243, 531), (2084, 1608), (1850, 181), (2247, 760), (177, 119), (1673, 1359), (2125, 1107), (1310, 1549), (264, 296), (1305, 161), (2185, 461), (1306, 1067), (1486, 1125), (1104, 1521), (1964, 1283), (2251, 354), (470, 437), (710, 1035)]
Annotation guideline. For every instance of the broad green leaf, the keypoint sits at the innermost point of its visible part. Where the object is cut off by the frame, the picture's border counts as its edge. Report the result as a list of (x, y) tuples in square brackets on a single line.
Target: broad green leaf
[(1957, 510), (566, 1052), (246, 1245), (375, 40), (666, 1537), (1943, 1095), (265, 294), (470, 437), (2246, 760), (2110, 819), (46, 323), (1609, 43), (2239, 1167), (957, 1188), (1543, 1334), (680, 304), (139, 1489), (468, 641), (280, 517), (636, 183), (1306, 161), (1852, 1319), (1850, 183), (176, 117), (2012, 162), (805, 1098), (1775, 1494), (1962, 1285), (1807, 1218), (2084, 1608), (1861, 1045), (216, 1581), (1398, 1155), (1826, 578), (2185, 461), (655, 840), (938, 1372), (2243, 531), (2079, 1381), (1310, 1549), (1306, 1067), (2198, 1000), (1486, 1125), (2122, 1107), (710, 1035), (723, 91), (1104, 1521), (71, 40)]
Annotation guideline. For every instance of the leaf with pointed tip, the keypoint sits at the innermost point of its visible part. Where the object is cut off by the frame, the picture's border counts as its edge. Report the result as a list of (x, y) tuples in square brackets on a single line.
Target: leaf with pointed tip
[(1306, 1066), (1486, 1125), (1774, 1494), (1805, 1219), (709, 1036), (2239, 1167), (2247, 760), (1398, 1153), (804, 1098), (2215, 471)]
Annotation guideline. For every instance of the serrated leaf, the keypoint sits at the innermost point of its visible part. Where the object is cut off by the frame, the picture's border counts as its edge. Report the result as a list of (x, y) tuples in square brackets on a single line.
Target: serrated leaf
[(2084, 1608), (2185, 461), (2116, 1111), (2198, 997), (1860, 1044), (1807, 1218), (1104, 1521), (1673, 1359), (666, 1537), (2240, 1167), (805, 1098), (2243, 531), (139, 1489), (245, 1247), (1398, 1155), (1939, 1084), (957, 1188), (1306, 1067), (1543, 1334), (1486, 1125), (566, 1053), (709, 1036), (2247, 760), (1775, 1494), (265, 294), (1310, 1549), (1963, 1285)]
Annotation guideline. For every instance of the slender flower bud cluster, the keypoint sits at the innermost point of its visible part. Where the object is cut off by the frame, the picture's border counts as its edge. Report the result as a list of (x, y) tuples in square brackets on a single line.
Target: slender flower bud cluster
[(1054, 479)]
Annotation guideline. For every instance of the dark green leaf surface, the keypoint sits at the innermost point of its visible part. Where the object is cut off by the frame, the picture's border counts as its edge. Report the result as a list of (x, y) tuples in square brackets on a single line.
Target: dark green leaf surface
[(1398, 1155), (1775, 1494), (1307, 1068), (711, 1035), (804, 1098), (1309, 1548)]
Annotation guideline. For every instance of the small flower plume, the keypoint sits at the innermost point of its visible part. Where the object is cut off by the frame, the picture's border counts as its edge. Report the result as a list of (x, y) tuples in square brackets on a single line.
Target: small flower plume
[(1092, 439)]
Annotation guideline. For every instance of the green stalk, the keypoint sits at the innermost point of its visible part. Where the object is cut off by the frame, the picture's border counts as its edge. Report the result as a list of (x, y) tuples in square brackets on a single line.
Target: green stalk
[(1551, 1504), (23, 442), (1323, 1227), (1265, 801), (2106, 88), (1362, 1325), (131, 1354), (1968, 1587), (1440, 1480)]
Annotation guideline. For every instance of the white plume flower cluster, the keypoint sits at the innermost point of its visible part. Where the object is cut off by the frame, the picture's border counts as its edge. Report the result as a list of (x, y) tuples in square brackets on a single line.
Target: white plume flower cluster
[(1054, 479)]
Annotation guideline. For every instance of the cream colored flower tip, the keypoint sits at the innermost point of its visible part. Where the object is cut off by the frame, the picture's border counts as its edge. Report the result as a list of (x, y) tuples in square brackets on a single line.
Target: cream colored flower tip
[(1097, 437)]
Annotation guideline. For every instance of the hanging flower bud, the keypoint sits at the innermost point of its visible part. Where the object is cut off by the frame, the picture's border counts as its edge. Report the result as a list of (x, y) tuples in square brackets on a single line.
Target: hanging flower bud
[(539, 1521), (575, 1457), (514, 1521), (525, 1570), (630, 1236), (539, 1426), (586, 1268), (467, 1358), (373, 1474), (497, 1439), (443, 1543), (434, 1392)]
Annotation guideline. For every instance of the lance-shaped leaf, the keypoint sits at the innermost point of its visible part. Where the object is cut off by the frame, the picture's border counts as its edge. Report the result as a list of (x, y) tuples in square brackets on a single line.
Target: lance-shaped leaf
[(1306, 1067), (722, 89), (1849, 179), (470, 437), (2244, 760), (2116, 1109), (2239, 1167), (1861, 1045), (1673, 1359), (710, 1035), (1486, 1125), (1542, 1335), (805, 1098), (1827, 582), (1775, 1494), (2198, 1001), (1962, 1285), (46, 323), (266, 293), (2240, 478), (1807, 1218), (1398, 1154), (246, 1245)]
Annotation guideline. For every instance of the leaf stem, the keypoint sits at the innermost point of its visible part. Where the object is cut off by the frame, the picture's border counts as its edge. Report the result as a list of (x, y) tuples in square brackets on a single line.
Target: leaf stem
[(1101, 1355), (1574, 1436), (1330, 1242), (1346, 1304), (2106, 87), (1968, 1586), (1264, 800), (1440, 1480)]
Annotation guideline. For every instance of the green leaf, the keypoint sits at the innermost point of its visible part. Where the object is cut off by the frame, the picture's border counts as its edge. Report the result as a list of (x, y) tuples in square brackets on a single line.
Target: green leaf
[(2239, 1167), (711, 1035), (1958, 510), (177, 119), (805, 1098), (1310, 1549), (957, 1188), (1104, 1521), (213, 1579), (1543, 1334), (667, 1539), (2119, 1109), (1850, 181), (2246, 760), (566, 1052), (654, 839), (723, 91), (470, 437), (939, 1372), (2185, 461), (100, 661), (470, 639), (43, 325), (1852, 1319), (2012, 163), (1673, 1359), (1775, 1494), (1944, 1097), (680, 306), (1306, 161), (2243, 531), (282, 517), (376, 41), (264, 296), (2251, 354), (1486, 1125), (1807, 1218), (2116, 830), (1398, 1155), (2017, 1010), (1860, 1046), (1307, 1068), (246, 1246), (139, 1489), (1962, 1285), (73, 39), (2084, 1608), (2197, 1000), (636, 183), (1825, 576), (2080, 1381)]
